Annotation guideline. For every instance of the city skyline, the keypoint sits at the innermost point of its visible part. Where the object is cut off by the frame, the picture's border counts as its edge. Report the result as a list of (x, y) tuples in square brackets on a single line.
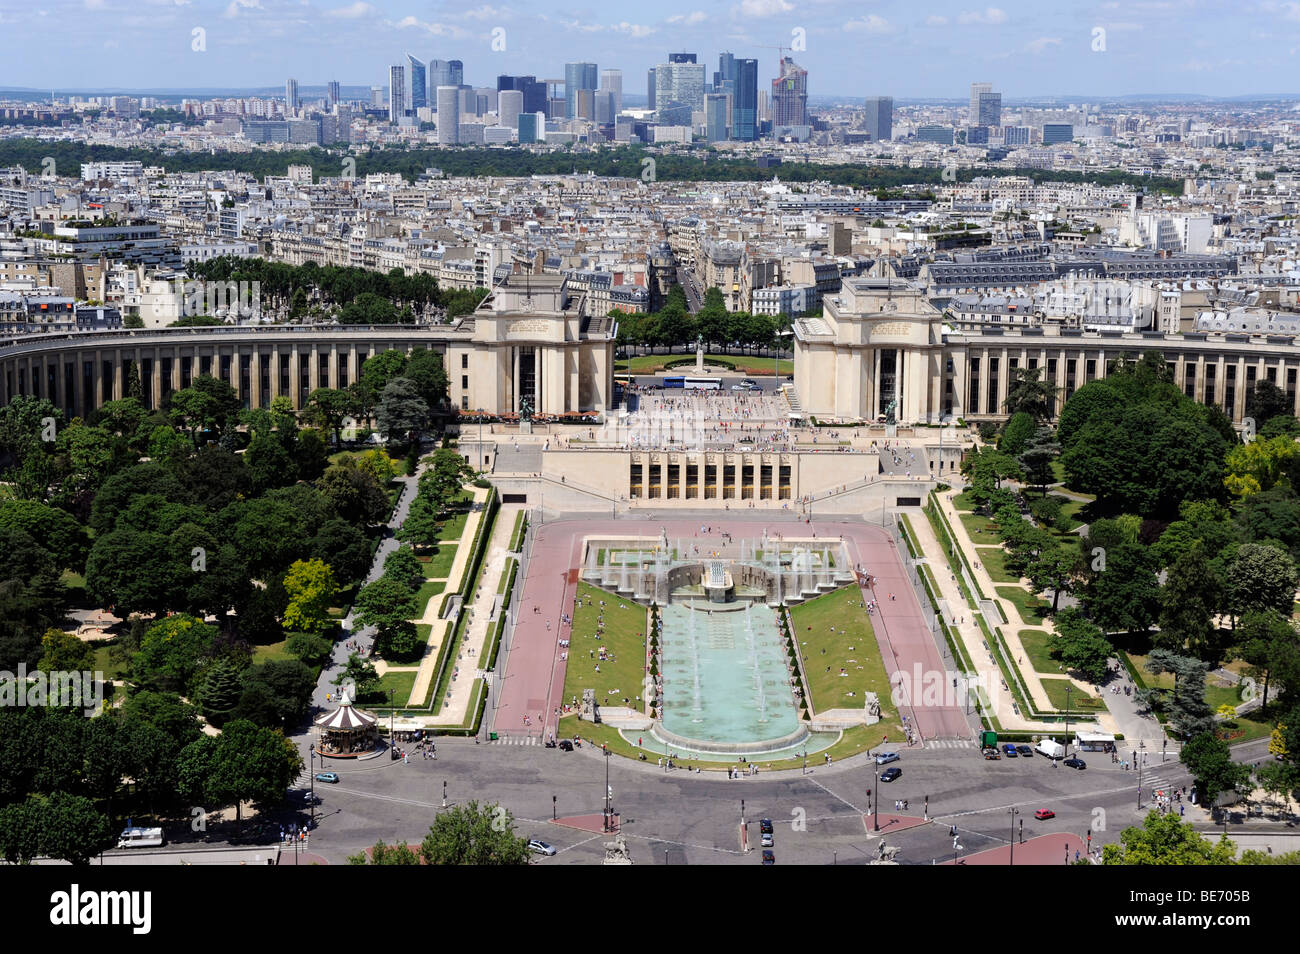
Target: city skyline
[(1176, 47)]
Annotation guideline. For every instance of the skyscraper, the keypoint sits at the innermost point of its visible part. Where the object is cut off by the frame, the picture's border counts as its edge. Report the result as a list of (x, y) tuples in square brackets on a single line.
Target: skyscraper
[(790, 95), (510, 103), (879, 119), (533, 90), (715, 116), (416, 89), (577, 76), (985, 105), (612, 81), (444, 73), (448, 100), (679, 89), (681, 57), (290, 97), (334, 92), (744, 101), (396, 93), (650, 87), (377, 97), (724, 80)]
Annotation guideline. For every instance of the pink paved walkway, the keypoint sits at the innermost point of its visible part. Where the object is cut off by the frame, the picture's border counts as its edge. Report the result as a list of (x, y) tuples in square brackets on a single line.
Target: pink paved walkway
[(534, 680), (1041, 850), (891, 822), (591, 822)]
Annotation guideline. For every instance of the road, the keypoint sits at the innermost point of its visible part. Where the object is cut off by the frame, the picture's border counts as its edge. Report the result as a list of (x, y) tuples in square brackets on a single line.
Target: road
[(694, 293)]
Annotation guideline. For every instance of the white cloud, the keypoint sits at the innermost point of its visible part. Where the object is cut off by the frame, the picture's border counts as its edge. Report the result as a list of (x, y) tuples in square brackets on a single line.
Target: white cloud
[(933, 20), (763, 8), (869, 24), (486, 13), (437, 29), (1041, 44), (631, 29), (238, 5), (354, 12), (990, 15), (689, 19)]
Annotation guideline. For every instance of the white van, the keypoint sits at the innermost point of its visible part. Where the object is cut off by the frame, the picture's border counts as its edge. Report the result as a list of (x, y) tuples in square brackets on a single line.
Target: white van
[(140, 838), (1051, 748)]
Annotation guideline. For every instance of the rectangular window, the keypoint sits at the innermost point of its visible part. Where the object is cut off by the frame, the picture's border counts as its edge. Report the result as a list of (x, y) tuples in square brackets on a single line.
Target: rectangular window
[(464, 361), (1189, 380), (464, 382)]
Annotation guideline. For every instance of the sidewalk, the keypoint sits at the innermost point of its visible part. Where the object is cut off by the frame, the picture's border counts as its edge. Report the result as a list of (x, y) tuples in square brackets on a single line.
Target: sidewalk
[(441, 628)]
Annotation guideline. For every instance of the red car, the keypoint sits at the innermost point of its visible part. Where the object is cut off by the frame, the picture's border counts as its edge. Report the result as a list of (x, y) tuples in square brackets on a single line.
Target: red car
[(1044, 813)]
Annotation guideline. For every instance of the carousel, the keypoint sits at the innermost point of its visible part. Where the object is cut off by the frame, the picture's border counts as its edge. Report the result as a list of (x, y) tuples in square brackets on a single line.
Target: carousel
[(347, 732)]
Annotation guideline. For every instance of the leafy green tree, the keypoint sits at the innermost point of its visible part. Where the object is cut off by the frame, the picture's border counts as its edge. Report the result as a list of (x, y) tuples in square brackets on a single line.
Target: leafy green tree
[(405, 567), (389, 605), (343, 547), (1020, 427), (288, 684), (421, 526), (1261, 577), (470, 835), (1124, 597), (353, 493), (1189, 713), (1029, 393), (171, 651), (269, 464), (1037, 457), (1167, 840), (245, 763), (1266, 402), (1054, 568), (311, 649), (1189, 601), (311, 587), (329, 408), (1270, 644), (1080, 646), (21, 831), (360, 673), (72, 829), (1208, 759), (425, 368), (382, 854), (220, 693), (63, 652), (401, 411)]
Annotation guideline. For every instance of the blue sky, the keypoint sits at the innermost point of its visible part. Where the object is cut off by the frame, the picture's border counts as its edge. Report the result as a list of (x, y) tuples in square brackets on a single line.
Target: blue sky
[(852, 47)]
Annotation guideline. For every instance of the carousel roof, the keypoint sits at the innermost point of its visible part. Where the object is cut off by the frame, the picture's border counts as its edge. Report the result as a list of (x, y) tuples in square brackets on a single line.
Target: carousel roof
[(346, 717)]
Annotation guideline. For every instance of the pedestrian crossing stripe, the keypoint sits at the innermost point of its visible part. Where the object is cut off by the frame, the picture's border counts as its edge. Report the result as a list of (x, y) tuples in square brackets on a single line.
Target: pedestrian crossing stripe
[(949, 744)]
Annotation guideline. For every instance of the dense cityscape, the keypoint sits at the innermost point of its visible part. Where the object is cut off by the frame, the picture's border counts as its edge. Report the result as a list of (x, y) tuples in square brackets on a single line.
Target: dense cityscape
[(337, 420)]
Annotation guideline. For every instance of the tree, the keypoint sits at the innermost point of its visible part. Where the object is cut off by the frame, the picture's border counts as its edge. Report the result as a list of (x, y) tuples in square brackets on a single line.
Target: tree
[(72, 829), (1029, 393), (287, 684), (425, 368), (21, 831), (358, 672), (1208, 759), (63, 652), (1261, 577), (343, 547), (1167, 840), (401, 411), (312, 650), (311, 587), (405, 567), (1054, 569), (382, 854), (1269, 643), (220, 694), (329, 408), (470, 835), (1266, 402), (1188, 602), (1189, 712), (1080, 646), (442, 481), (1019, 429), (389, 605), (421, 526), (1260, 464), (131, 571), (171, 651), (1124, 596), (353, 493), (1037, 457)]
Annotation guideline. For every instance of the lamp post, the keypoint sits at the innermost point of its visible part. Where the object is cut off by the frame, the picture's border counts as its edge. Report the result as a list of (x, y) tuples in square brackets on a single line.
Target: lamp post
[(875, 797), (312, 796), (1068, 689), (1013, 812), (605, 750), (1137, 757), (444, 793)]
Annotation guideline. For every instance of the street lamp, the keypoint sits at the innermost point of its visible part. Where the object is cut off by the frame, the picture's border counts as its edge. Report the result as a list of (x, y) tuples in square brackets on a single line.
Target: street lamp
[(875, 796), (1013, 812), (605, 749), (1068, 689), (1138, 758), (313, 783), (444, 793)]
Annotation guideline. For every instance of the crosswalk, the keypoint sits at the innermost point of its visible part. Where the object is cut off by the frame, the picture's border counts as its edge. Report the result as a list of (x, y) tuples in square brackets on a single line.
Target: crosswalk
[(950, 744), (516, 740)]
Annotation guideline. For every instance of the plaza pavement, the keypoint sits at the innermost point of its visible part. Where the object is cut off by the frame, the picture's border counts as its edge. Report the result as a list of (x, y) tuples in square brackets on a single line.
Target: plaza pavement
[(534, 676)]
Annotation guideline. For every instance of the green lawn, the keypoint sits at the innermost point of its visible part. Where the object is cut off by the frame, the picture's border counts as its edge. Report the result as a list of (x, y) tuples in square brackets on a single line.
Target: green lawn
[(1032, 609), (426, 592), (272, 652), (452, 528), (623, 637), (1038, 644), (980, 529), (103, 664), (438, 566), (962, 501), (1079, 701), (517, 532), (995, 561), (401, 683), (851, 648)]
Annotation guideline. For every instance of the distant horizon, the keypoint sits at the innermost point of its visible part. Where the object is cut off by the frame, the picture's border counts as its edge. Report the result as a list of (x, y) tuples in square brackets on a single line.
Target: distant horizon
[(1201, 48)]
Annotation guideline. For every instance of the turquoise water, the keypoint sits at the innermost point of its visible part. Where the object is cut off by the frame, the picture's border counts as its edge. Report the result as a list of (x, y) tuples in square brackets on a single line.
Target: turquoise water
[(724, 675)]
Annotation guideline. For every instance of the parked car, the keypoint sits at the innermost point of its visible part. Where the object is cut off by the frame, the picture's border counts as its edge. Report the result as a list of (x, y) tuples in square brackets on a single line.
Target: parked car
[(1075, 762), (541, 847), (884, 758), (991, 754), (765, 826), (740, 387), (769, 858), (327, 776), (888, 775), (1044, 813), (1010, 750), (1025, 751), (766, 840)]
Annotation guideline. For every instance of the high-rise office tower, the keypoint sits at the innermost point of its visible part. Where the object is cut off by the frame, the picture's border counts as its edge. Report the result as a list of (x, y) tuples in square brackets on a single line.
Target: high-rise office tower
[(533, 90), (396, 93), (448, 100), (681, 57), (715, 116), (290, 97), (416, 90), (724, 80), (532, 127), (377, 96), (586, 104), (790, 95), (612, 81), (679, 90), (650, 87), (333, 92), (605, 111), (444, 73), (744, 101), (577, 76), (510, 103), (985, 105), (879, 119)]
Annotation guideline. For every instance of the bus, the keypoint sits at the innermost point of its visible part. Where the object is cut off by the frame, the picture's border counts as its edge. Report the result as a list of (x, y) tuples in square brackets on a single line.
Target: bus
[(702, 384), (140, 838), (674, 381)]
